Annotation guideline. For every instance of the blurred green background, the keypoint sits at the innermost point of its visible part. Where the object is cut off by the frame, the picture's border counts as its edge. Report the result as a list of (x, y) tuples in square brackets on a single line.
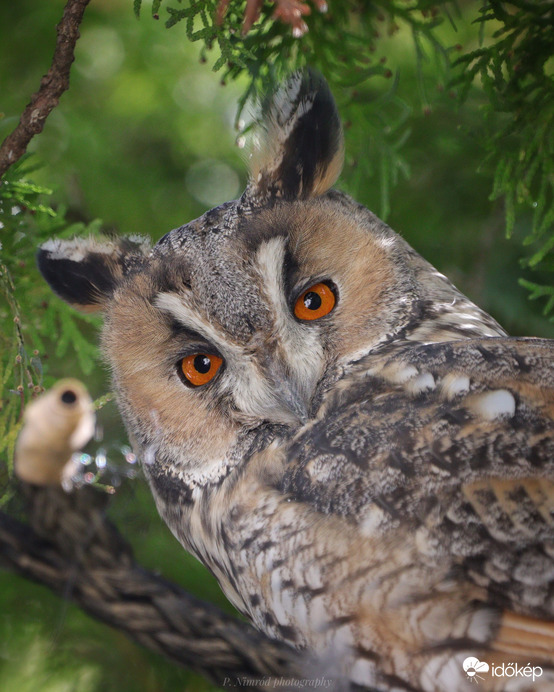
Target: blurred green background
[(144, 140)]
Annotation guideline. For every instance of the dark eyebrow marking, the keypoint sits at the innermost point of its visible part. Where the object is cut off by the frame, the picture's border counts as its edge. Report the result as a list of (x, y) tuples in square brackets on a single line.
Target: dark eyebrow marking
[(181, 332), (291, 272), (256, 231)]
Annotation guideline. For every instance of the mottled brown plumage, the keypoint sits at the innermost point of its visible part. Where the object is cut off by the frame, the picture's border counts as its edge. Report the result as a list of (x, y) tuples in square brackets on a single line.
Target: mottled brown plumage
[(375, 483)]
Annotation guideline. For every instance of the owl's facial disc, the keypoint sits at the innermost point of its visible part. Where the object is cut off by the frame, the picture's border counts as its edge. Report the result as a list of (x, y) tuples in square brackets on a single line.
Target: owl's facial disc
[(270, 373), (199, 368)]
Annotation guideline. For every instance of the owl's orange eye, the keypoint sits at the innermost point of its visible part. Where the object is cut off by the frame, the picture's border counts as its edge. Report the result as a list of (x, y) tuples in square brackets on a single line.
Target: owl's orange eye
[(200, 368), (317, 301)]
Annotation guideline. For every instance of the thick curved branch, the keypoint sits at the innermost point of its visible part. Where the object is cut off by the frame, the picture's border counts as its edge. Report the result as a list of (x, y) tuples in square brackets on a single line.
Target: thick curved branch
[(73, 549), (52, 86)]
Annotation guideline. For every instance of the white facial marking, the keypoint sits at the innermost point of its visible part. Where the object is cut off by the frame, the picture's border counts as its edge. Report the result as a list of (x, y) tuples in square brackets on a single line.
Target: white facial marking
[(269, 260), (182, 308), (301, 343)]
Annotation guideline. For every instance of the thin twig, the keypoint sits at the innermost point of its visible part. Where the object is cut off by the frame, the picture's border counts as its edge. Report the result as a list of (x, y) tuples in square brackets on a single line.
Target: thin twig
[(52, 86)]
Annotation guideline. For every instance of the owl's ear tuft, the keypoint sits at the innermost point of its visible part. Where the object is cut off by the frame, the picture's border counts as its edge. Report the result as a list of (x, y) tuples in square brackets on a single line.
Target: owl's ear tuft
[(86, 271), (301, 153)]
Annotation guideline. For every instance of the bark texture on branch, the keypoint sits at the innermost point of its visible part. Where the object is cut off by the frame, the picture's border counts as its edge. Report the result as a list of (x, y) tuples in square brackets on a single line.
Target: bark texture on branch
[(72, 548), (52, 86)]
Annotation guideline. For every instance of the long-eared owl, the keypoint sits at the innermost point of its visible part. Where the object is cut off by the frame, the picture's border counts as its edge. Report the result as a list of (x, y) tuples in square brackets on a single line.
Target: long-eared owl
[(361, 455)]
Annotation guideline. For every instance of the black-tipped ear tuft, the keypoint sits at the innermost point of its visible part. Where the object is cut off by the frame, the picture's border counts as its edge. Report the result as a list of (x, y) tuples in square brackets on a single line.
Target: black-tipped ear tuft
[(302, 152), (85, 272)]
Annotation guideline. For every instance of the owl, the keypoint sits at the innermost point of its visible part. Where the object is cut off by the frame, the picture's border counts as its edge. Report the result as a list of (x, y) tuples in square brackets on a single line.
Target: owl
[(361, 456)]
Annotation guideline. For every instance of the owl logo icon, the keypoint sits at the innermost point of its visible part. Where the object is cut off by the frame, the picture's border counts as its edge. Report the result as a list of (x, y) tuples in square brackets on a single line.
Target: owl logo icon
[(473, 666)]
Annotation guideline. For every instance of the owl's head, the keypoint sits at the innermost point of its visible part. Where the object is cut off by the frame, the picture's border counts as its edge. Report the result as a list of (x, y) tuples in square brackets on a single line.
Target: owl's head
[(240, 320)]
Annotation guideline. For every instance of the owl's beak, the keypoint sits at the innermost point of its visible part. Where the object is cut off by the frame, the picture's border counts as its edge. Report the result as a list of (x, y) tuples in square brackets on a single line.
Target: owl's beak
[(293, 403)]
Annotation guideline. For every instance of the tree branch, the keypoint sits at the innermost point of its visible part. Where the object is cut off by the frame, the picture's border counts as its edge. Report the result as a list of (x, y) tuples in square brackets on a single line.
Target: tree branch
[(52, 86), (72, 548)]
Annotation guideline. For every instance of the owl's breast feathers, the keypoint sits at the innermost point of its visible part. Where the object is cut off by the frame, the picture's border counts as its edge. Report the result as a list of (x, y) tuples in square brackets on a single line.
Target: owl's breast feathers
[(412, 520)]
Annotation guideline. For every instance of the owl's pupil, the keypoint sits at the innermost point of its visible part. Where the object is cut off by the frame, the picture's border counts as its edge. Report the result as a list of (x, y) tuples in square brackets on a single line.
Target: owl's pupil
[(202, 364), (312, 301)]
